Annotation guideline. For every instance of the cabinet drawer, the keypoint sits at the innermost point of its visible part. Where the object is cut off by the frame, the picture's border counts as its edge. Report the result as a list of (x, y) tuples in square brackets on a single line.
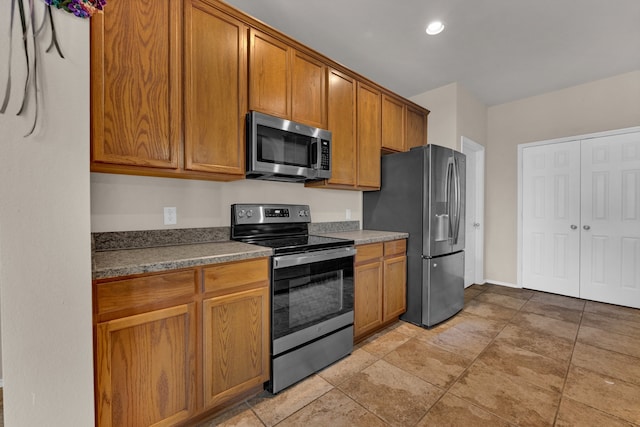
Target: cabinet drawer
[(224, 277), (369, 252), (151, 291), (395, 247)]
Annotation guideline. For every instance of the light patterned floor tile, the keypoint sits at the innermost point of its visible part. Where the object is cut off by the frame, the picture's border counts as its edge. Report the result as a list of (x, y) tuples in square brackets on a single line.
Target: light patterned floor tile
[(607, 394), (399, 398)]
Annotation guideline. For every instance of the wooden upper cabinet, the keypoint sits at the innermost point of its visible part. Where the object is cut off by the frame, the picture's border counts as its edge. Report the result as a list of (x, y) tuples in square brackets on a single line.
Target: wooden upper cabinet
[(416, 127), (369, 137), (341, 121), (269, 75), (285, 82), (308, 90), (393, 123), (136, 63), (215, 77)]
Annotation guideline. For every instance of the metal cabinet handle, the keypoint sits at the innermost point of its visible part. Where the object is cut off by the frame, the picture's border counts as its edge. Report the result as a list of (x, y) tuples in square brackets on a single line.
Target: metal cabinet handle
[(574, 227), (586, 227)]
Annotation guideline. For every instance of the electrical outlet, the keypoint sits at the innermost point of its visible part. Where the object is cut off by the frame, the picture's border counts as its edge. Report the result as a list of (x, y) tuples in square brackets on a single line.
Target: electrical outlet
[(170, 216), (347, 214)]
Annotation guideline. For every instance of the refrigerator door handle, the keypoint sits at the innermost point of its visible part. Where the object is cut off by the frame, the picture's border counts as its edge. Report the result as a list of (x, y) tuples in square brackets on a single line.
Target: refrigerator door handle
[(449, 185), (458, 201)]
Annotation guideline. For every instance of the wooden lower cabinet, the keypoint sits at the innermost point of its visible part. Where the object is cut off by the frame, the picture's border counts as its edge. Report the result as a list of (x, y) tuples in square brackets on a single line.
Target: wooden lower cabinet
[(146, 368), (368, 289), (236, 344), (172, 347), (380, 286), (394, 298)]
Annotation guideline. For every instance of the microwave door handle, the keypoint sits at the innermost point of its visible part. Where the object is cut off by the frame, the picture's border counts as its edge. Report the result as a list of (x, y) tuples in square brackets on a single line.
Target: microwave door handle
[(314, 154)]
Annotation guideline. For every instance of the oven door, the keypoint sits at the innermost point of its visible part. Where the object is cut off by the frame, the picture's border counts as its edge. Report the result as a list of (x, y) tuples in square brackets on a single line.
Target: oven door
[(312, 296)]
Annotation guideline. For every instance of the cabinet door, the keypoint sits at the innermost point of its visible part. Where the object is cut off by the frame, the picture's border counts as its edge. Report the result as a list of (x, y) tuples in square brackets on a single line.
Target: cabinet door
[(367, 298), (395, 287), (215, 90), (369, 134), (342, 124), (308, 93), (393, 123), (368, 289), (136, 63), (269, 75), (146, 368), (236, 343), (416, 127)]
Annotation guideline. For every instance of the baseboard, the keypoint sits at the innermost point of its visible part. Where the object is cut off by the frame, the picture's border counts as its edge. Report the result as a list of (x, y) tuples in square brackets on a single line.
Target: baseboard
[(497, 282)]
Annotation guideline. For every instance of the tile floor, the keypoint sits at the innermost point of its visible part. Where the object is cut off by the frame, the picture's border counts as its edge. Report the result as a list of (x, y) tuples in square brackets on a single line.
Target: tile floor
[(511, 357)]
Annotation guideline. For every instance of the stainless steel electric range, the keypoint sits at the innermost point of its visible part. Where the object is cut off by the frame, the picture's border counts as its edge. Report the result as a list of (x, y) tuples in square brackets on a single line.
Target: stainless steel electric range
[(311, 289)]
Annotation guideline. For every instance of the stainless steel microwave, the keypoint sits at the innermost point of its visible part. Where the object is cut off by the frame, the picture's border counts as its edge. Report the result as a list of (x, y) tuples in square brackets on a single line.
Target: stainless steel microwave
[(283, 150)]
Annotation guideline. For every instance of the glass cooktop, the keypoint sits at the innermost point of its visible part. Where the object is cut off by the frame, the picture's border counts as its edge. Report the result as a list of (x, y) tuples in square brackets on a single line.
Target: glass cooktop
[(293, 244)]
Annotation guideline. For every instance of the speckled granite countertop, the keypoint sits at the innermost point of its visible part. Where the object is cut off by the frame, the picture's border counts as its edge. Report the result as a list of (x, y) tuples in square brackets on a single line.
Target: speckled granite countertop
[(363, 237), (121, 254), (125, 262)]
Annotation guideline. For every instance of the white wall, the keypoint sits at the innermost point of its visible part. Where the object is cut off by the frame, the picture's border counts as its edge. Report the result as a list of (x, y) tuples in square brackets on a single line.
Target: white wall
[(124, 203), (45, 265), (454, 112), (472, 118), (443, 117), (607, 104)]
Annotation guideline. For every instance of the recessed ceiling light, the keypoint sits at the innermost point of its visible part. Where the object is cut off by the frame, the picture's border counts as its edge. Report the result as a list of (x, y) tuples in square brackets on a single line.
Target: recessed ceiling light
[(435, 27)]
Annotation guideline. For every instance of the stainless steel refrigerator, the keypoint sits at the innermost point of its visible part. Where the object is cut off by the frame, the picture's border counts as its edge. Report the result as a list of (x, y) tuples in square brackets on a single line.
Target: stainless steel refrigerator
[(423, 194)]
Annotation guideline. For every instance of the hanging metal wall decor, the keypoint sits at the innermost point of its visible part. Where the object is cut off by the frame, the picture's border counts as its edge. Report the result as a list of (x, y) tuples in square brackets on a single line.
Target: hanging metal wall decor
[(30, 33)]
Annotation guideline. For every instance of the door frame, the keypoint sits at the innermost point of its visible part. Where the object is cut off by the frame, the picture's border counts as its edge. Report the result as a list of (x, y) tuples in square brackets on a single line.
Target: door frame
[(521, 147), (476, 153)]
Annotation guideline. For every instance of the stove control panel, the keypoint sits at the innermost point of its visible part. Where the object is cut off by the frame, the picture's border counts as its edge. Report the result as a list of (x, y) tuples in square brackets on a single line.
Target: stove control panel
[(276, 213), (244, 213)]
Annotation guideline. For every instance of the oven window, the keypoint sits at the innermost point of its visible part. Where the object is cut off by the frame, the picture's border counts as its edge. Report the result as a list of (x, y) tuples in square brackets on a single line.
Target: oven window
[(309, 294), (280, 147)]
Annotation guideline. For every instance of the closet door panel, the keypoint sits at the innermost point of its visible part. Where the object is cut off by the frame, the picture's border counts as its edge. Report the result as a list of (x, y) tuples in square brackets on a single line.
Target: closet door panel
[(551, 215), (610, 222)]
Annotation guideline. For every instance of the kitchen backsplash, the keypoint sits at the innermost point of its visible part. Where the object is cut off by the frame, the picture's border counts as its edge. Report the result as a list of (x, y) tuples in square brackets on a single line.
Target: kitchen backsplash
[(116, 240)]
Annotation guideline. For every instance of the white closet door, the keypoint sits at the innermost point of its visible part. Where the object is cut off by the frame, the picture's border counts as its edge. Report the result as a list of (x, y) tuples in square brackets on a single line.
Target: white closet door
[(551, 215), (610, 225)]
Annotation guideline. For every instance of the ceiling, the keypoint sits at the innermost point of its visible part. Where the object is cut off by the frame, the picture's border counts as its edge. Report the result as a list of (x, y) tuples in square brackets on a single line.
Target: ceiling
[(499, 50)]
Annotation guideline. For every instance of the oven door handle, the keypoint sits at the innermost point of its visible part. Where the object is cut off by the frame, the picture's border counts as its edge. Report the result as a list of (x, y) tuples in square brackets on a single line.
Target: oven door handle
[(284, 261)]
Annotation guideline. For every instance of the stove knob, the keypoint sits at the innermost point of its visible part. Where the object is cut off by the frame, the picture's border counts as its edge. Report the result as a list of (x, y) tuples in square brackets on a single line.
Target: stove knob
[(249, 213), (241, 213)]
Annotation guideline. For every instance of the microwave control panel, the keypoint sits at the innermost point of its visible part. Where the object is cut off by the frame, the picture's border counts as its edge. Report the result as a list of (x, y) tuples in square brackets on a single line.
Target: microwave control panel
[(325, 155)]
